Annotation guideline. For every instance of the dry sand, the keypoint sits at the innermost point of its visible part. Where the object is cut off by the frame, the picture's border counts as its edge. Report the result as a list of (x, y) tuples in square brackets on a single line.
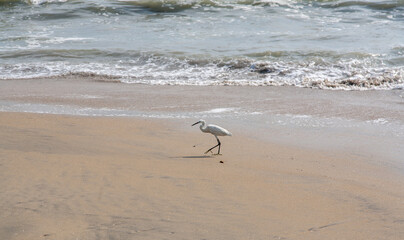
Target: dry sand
[(65, 177)]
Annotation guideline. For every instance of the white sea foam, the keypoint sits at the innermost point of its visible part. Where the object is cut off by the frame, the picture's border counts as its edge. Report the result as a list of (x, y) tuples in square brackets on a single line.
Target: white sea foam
[(82, 96), (38, 2), (220, 110), (8, 106), (380, 121), (59, 40), (171, 71)]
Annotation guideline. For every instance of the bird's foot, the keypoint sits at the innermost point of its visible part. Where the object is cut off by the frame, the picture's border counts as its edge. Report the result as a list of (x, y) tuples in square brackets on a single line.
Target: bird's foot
[(208, 151), (217, 154)]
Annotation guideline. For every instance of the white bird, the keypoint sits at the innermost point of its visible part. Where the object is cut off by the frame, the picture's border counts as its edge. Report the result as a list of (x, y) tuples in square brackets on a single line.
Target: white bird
[(215, 130)]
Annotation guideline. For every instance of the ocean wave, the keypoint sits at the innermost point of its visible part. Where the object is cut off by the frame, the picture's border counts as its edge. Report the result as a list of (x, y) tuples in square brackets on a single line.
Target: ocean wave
[(379, 5), (29, 2), (166, 6), (349, 71), (180, 5), (37, 2), (157, 5)]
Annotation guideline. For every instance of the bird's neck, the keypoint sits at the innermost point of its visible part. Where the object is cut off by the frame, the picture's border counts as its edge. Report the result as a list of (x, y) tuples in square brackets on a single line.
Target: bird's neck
[(202, 127)]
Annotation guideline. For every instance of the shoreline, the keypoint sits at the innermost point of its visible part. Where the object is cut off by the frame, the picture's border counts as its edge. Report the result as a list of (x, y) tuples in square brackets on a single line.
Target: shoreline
[(368, 124), (67, 177)]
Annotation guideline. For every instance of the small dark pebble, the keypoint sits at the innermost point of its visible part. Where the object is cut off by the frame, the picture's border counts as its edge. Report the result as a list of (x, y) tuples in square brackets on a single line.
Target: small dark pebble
[(221, 162)]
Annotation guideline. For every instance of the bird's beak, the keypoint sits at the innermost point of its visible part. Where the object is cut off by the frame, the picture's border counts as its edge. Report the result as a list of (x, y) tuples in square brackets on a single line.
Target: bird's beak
[(196, 123)]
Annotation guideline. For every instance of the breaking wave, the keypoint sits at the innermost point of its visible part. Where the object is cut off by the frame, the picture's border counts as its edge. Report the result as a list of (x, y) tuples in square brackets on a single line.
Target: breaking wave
[(180, 5), (324, 70)]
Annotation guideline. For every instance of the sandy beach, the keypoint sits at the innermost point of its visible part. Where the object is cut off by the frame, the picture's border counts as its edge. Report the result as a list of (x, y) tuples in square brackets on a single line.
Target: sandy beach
[(98, 98), (72, 177)]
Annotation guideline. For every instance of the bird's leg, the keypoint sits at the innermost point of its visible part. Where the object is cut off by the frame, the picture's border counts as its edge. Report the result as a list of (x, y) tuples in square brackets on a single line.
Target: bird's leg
[(210, 149), (218, 145)]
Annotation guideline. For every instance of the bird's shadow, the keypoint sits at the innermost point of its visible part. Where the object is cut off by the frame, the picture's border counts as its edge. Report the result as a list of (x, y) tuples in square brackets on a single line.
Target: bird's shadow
[(200, 156)]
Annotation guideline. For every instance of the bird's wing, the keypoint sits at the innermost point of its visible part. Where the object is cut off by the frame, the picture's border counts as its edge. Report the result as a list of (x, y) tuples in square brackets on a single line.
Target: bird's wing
[(218, 131)]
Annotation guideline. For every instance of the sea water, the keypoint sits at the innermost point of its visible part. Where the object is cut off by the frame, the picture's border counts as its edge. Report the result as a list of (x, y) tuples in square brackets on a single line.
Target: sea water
[(327, 44)]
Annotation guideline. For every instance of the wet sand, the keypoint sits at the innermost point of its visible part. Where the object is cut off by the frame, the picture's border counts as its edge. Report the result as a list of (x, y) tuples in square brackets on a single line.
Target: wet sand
[(369, 124), (71, 177)]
